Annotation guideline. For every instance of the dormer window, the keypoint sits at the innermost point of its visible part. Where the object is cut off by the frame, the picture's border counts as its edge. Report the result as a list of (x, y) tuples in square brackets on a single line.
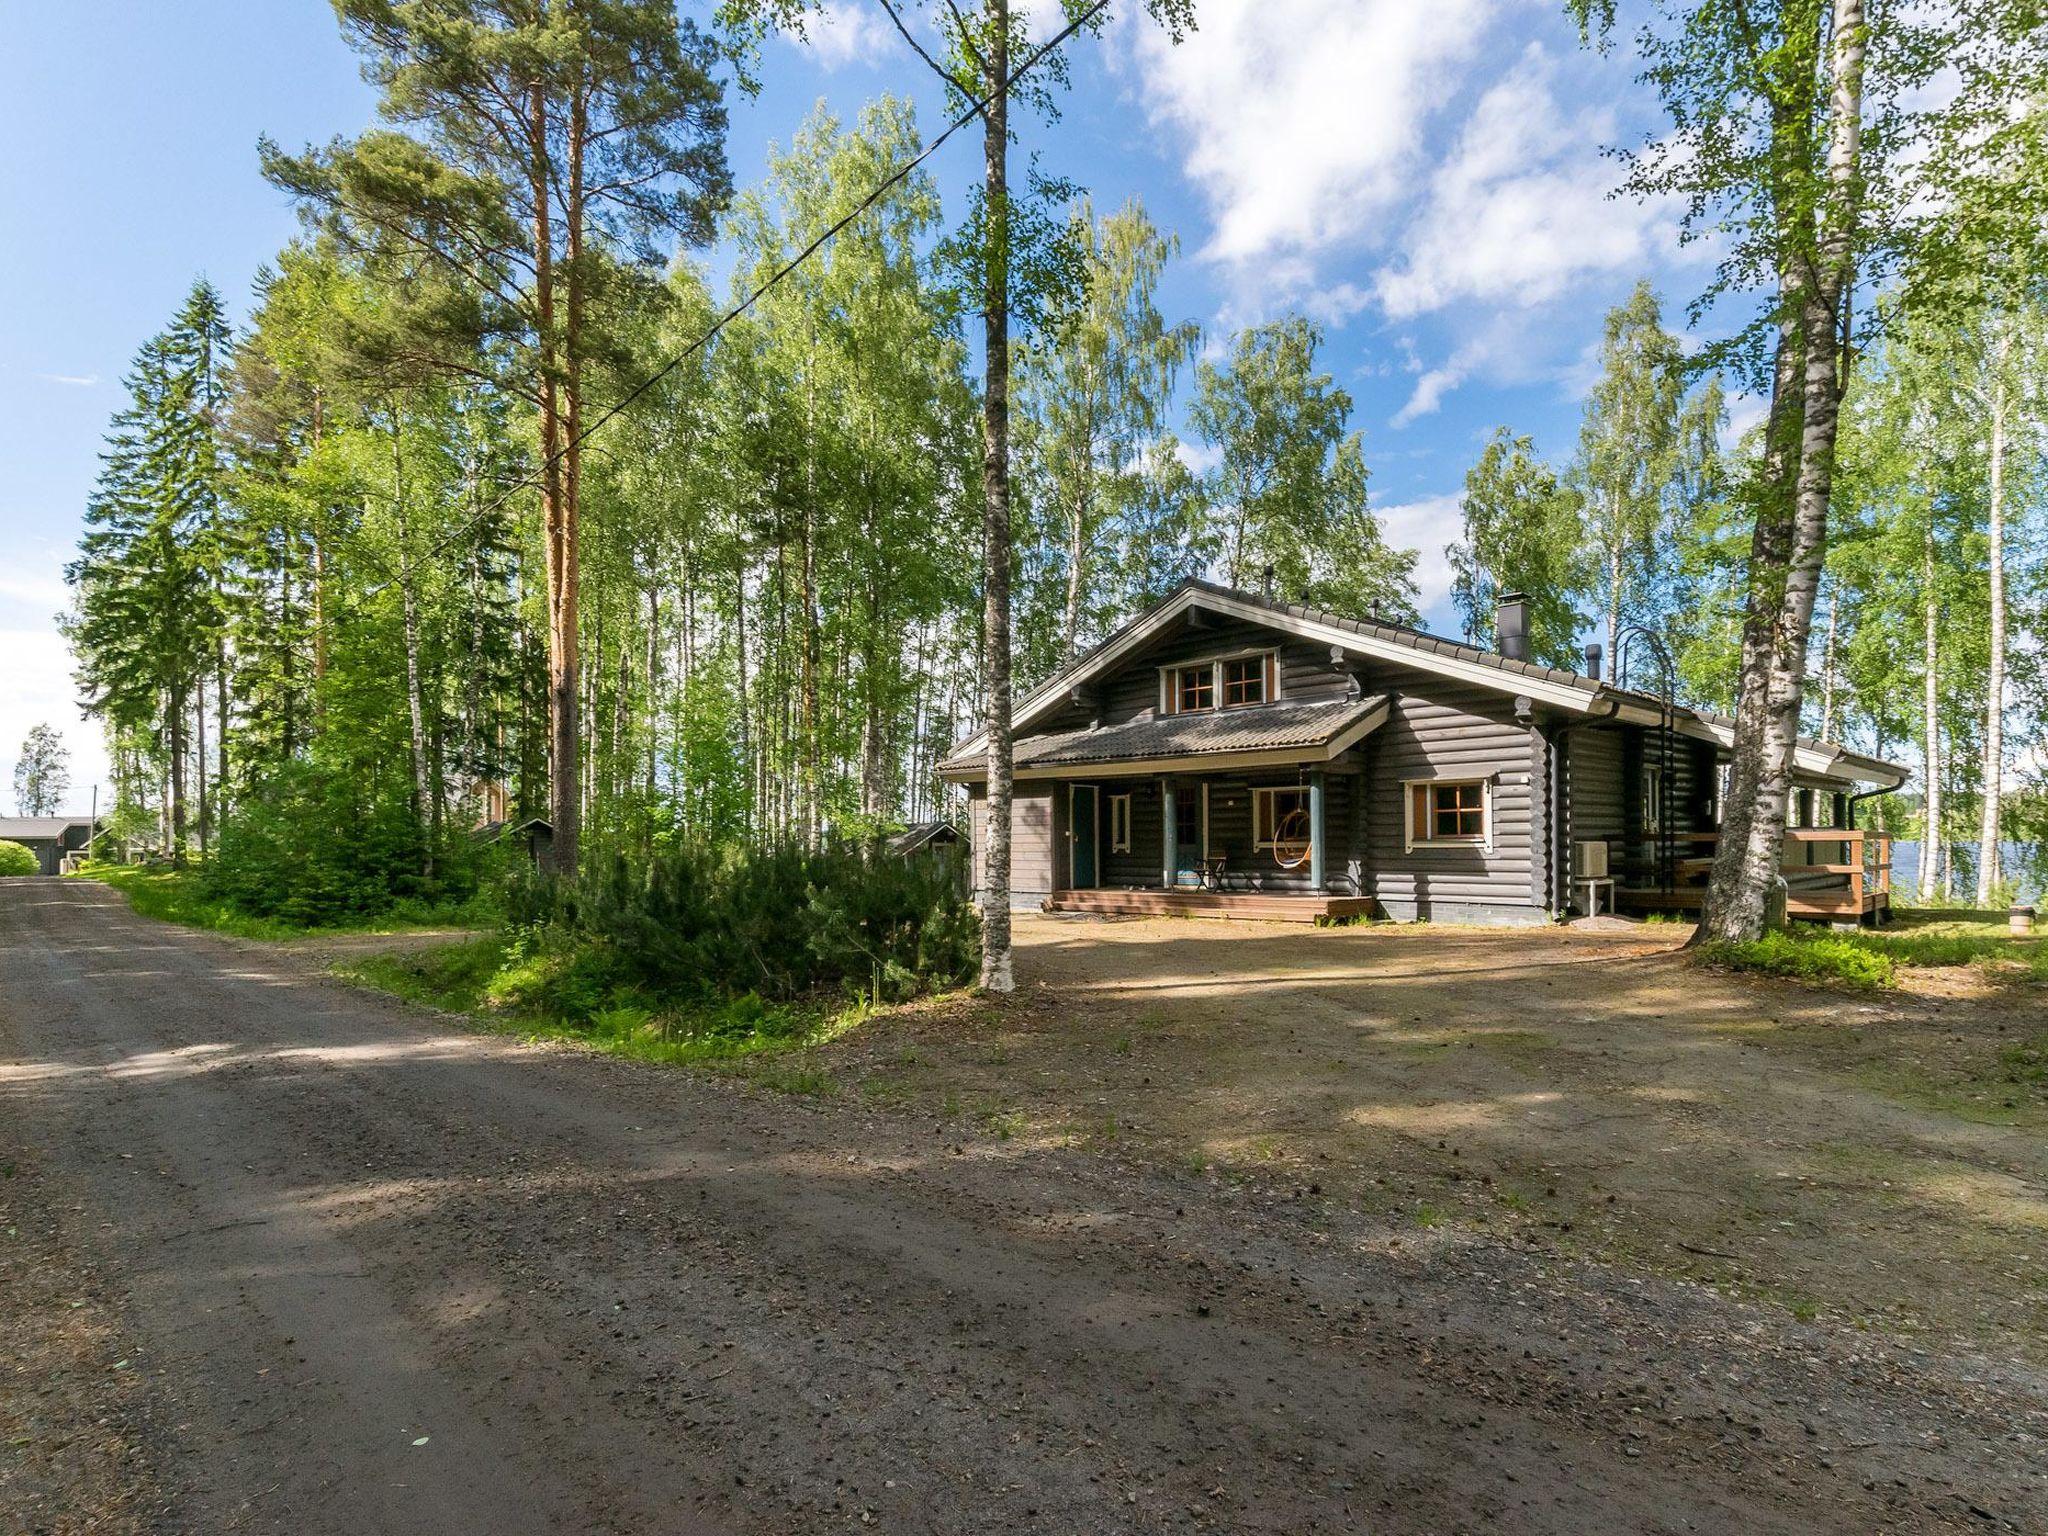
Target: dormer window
[(1228, 682), (1244, 680), (1194, 688)]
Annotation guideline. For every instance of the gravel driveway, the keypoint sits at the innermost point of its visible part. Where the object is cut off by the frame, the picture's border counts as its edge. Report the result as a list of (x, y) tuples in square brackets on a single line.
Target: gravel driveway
[(317, 1262)]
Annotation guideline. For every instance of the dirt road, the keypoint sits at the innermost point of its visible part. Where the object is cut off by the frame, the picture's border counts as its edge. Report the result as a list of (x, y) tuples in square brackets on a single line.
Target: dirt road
[(349, 1268)]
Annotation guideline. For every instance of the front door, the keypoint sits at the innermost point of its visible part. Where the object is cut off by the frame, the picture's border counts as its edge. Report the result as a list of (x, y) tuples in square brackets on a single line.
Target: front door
[(1082, 837)]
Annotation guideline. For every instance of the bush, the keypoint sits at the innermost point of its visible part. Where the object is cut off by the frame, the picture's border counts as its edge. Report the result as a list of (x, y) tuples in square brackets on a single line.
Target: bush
[(17, 860), (716, 923), (311, 849), (1823, 957)]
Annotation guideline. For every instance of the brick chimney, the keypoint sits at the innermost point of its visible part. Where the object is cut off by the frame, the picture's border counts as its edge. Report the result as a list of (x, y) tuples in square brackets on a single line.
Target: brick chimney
[(1511, 625)]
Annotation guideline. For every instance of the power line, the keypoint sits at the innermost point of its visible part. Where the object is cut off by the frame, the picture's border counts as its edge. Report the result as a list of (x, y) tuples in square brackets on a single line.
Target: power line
[(976, 107)]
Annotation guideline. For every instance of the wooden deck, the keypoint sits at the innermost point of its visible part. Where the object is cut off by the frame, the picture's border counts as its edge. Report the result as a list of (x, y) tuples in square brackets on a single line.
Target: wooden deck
[(1265, 906), (1832, 875)]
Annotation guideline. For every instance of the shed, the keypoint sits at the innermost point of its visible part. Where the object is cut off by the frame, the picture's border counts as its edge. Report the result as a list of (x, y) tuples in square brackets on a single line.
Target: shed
[(535, 833), (52, 839), (922, 837)]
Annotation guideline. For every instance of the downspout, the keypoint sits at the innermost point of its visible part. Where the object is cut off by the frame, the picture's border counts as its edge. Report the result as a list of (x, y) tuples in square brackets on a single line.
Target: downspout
[(1552, 785)]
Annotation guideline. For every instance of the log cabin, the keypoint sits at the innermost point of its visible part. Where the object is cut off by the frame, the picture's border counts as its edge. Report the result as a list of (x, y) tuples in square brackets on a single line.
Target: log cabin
[(1228, 754)]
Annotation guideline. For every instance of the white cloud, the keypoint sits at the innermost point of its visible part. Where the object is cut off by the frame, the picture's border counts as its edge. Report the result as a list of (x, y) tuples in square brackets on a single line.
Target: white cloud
[(1302, 120), (1520, 210), (39, 691), (1428, 526), (850, 32), (1429, 393), (74, 380)]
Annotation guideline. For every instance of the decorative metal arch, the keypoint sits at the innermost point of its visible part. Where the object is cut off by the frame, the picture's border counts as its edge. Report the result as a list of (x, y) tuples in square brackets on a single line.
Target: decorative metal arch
[(1631, 638)]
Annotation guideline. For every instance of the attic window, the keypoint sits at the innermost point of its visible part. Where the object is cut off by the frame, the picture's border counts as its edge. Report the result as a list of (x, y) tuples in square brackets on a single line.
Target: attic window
[(1194, 689), (1245, 680), (1228, 682)]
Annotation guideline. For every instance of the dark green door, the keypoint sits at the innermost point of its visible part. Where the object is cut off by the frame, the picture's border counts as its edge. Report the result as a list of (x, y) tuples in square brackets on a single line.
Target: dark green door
[(1081, 835)]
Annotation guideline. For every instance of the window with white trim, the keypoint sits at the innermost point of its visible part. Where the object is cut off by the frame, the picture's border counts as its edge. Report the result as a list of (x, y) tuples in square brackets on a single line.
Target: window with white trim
[(1191, 690), (1119, 823), (1225, 682), (1277, 811), (1449, 811)]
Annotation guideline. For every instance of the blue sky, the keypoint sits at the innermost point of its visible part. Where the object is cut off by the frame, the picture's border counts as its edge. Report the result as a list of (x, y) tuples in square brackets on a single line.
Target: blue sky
[(1426, 179)]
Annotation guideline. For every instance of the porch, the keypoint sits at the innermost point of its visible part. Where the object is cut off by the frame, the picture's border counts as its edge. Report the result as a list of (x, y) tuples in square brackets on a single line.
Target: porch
[(1270, 906), (1831, 874)]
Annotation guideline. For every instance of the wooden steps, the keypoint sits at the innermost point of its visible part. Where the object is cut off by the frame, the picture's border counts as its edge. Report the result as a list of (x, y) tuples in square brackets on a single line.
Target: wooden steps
[(1264, 906)]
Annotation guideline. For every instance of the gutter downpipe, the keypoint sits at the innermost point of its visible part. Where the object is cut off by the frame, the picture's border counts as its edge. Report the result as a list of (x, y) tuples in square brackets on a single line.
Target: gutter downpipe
[(1551, 788)]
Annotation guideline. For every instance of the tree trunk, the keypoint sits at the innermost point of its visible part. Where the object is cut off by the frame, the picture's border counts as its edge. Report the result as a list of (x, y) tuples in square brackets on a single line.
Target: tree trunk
[(1994, 684), (1827, 675), (176, 799), (558, 523), (199, 762), (997, 974), (1785, 574), (1930, 750), (409, 608), (1077, 560)]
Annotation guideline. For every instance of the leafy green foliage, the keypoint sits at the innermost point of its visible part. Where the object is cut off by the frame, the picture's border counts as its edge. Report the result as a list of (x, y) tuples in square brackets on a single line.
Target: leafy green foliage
[(42, 774), (697, 922), (1828, 957), (17, 860), (1872, 959)]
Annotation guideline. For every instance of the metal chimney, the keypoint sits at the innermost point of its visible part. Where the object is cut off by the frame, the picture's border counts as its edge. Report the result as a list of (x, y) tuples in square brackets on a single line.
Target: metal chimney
[(1511, 625), (1593, 654)]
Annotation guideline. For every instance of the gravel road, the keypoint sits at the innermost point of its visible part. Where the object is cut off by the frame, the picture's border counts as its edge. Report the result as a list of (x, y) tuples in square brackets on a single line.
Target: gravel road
[(369, 1271)]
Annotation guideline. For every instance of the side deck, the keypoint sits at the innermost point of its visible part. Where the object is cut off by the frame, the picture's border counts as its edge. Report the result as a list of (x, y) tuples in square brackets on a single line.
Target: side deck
[(1831, 874)]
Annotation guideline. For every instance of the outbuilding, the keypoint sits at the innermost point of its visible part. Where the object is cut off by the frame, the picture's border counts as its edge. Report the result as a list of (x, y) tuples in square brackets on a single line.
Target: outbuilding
[(52, 839)]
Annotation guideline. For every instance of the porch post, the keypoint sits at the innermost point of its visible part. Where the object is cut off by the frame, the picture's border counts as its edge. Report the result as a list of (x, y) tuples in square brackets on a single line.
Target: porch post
[(1316, 862), (1171, 834)]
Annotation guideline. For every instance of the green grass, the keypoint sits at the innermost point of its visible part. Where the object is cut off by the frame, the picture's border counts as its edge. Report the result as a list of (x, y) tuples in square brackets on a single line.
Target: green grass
[(180, 896), (1871, 960), (508, 983)]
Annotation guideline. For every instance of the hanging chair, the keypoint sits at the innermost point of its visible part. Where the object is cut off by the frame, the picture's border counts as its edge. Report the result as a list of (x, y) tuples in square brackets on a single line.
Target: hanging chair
[(1291, 846)]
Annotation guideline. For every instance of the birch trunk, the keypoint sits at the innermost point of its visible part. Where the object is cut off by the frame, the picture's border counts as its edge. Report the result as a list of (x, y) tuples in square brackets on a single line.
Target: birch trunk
[(1994, 687), (1791, 541), (1930, 751), (997, 974)]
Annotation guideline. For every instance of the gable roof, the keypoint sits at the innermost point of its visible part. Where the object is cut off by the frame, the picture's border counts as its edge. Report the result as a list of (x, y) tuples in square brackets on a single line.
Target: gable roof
[(15, 829), (922, 834), (1398, 643), (1325, 727)]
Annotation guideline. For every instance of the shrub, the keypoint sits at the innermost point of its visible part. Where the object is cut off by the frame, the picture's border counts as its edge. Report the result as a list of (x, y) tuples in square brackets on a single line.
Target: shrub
[(1824, 957), (709, 923), (17, 860), (312, 848)]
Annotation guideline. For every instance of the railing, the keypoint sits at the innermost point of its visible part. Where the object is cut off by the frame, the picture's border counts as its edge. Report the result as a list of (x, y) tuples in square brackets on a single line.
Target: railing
[(1865, 857), (1811, 855)]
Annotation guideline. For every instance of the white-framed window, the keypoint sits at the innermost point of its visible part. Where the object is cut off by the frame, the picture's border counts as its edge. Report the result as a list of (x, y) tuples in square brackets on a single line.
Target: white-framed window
[(1222, 682), (1119, 823), (1279, 810), (1653, 797), (1191, 690), (1450, 812)]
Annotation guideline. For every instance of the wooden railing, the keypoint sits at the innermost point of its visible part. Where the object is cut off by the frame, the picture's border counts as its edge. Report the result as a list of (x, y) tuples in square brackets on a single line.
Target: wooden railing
[(1827, 869)]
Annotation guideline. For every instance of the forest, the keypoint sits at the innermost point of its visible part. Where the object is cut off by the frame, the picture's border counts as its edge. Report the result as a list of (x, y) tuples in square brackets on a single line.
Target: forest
[(500, 505)]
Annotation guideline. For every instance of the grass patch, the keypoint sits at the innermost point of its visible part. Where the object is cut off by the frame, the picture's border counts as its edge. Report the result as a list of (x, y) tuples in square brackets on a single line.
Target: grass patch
[(1870, 961), (1829, 958), (536, 991), (181, 896)]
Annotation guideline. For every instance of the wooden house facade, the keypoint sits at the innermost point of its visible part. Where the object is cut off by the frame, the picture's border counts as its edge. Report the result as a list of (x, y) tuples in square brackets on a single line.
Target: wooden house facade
[(1225, 753)]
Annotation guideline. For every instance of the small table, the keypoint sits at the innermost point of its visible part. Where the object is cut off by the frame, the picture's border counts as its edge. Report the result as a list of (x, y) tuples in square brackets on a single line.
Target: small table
[(1589, 889)]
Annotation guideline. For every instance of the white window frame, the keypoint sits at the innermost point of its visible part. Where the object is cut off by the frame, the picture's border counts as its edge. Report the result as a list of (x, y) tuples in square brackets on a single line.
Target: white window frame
[(1120, 823), (1169, 680), (1268, 791), (1483, 842)]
